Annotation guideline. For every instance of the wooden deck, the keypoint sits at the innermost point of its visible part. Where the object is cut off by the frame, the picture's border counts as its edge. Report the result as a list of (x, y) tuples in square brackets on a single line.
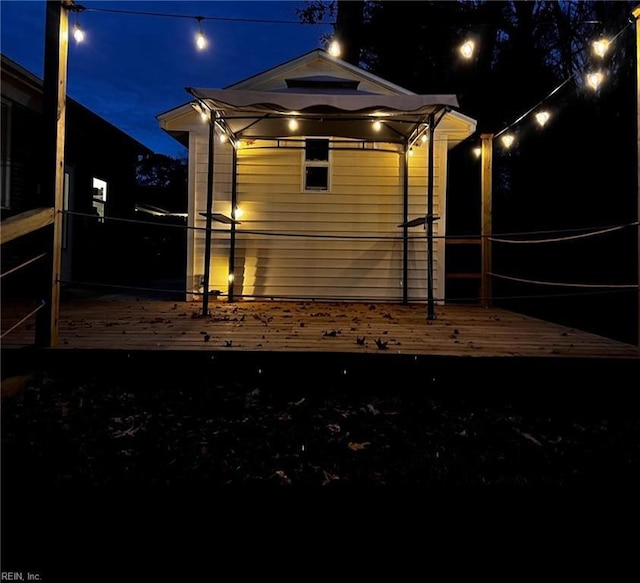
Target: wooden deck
[(143, 324)]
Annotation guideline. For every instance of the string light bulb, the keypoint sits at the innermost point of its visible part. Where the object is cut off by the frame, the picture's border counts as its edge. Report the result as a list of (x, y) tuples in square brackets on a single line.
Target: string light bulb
[(223, 138), (600, 47), (335, 50), (594, 80), (202, 110), (424, 138), (293, 124), (542, 117), (237, 213), (78, 33), (377, 125), (507, 140), (201, 40), (467, 49), (410, 151), (477, 151)]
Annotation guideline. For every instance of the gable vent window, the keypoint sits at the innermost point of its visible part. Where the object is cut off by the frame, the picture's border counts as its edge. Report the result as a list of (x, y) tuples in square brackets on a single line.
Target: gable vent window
[(316, 165)]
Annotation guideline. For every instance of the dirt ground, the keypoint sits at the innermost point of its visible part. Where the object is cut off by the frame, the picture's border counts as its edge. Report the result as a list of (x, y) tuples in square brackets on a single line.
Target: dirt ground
[(103, 454), (290, 427)]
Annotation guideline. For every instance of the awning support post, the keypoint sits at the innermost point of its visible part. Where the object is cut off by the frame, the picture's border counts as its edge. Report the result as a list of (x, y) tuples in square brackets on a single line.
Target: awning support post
[(207, 241), (431, 315), (232, 240), (405, 226)]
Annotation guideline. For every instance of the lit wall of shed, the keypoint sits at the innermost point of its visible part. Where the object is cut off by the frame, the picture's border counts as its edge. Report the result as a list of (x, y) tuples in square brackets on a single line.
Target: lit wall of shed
[(365, 198)]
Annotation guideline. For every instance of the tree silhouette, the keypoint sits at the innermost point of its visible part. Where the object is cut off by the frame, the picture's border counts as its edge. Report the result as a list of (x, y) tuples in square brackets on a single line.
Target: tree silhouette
[(579, 171)]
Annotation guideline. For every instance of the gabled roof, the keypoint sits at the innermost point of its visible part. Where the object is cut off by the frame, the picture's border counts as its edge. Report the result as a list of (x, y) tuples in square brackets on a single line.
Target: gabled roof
[(320, 55)]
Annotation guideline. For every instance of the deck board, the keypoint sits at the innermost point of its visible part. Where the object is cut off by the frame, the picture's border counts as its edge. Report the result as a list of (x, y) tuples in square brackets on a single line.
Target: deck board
[(144, 324)]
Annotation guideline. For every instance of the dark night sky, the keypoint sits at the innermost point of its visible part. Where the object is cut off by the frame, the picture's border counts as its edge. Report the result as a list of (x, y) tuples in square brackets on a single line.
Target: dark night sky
[(131, 68)]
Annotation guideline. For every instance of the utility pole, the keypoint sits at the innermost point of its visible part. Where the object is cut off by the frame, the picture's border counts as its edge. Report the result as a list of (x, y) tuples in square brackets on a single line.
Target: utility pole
[(56, 48), (636, 15), (486, 178)]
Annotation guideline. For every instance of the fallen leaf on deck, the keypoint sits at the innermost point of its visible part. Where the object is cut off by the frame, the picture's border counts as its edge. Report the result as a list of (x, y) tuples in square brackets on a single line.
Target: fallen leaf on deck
[(381, 344)]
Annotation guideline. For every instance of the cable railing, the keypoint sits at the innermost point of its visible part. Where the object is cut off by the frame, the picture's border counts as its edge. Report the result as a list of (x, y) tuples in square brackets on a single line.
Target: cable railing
[(567, 234), (14, 228), (578, 289)]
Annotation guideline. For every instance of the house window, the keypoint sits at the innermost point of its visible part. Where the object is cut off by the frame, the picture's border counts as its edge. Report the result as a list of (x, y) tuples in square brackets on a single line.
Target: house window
[(99, 198), (5, 150), (316, 165)]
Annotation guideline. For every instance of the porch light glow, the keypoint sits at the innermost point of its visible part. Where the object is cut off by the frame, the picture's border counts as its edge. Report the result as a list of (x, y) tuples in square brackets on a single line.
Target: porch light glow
[(78, 33), (293, 125), (542, 117), (377, 125), (335, 50), (467, 49), (600, 47), (477, 151), (507, 140), (594, 80), (201, 40), (203, 111)]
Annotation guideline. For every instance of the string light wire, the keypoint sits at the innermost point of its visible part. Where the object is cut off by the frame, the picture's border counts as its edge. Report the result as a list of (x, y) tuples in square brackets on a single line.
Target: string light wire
[(554, 91), (191, 16)]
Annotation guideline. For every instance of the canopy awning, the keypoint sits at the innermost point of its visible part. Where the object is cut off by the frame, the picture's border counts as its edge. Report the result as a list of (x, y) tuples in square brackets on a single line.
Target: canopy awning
[(322, 112)]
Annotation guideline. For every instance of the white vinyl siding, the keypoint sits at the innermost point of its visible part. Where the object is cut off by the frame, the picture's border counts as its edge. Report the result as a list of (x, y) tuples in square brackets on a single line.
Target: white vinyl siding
[(283, 260)]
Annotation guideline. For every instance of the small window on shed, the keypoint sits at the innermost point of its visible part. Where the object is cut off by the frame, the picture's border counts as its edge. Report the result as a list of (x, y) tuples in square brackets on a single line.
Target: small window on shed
[(316, 165)]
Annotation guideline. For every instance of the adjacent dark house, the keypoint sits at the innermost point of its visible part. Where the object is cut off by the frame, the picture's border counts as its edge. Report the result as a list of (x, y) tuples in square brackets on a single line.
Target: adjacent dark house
[(100, 178)]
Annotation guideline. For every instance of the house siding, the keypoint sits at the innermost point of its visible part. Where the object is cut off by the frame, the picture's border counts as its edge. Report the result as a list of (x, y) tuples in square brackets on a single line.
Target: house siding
[(283, 260)]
